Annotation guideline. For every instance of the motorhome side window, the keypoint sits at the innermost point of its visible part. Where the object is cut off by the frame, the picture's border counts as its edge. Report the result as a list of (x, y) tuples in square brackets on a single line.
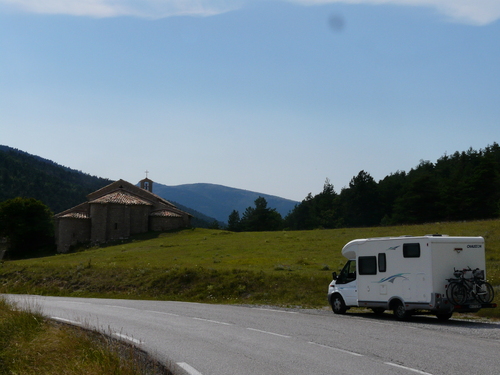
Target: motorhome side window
[(367, 265), (348, 273), (382, 265), (411, 250)]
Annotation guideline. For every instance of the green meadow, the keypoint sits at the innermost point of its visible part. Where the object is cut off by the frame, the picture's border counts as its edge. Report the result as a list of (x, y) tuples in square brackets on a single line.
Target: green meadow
[(286, 268)]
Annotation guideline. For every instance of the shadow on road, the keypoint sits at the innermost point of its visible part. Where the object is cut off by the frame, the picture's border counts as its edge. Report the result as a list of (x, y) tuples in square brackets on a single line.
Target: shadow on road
[(455, 321)]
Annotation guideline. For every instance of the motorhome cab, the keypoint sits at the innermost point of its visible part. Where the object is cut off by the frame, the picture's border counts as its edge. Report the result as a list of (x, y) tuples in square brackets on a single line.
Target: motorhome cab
[(405, 274)]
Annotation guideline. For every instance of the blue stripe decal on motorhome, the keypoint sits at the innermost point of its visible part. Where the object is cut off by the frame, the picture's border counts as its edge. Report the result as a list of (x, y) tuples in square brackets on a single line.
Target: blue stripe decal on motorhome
[(393, 247), (392, 278)]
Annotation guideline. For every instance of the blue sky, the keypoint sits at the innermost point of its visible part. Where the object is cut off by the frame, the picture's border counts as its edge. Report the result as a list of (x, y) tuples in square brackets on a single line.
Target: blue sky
[(270, 96)]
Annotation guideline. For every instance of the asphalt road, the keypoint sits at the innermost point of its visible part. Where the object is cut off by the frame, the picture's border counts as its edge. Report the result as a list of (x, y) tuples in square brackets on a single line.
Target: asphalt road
[(235, 340)]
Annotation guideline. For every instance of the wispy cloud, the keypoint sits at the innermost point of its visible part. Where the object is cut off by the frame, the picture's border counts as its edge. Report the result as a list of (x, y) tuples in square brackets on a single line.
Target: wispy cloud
[(136, 8), (480, 12)]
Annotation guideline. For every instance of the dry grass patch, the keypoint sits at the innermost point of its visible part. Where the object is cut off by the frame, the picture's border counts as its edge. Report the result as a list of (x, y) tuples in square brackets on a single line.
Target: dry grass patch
[(30, 345)]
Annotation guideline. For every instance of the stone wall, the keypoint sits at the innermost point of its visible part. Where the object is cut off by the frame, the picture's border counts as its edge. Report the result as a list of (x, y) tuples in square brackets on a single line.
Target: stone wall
[(160, 224), (98, 218), (117, 222), (139, 218), (71, 231)]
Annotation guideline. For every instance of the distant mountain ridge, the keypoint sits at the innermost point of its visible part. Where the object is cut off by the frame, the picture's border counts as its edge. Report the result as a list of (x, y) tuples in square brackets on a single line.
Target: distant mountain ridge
[(60, 188), (219, 201)]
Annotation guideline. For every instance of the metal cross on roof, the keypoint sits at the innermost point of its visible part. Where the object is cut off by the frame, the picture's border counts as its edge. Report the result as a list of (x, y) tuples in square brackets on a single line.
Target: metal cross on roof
[(147, 173)]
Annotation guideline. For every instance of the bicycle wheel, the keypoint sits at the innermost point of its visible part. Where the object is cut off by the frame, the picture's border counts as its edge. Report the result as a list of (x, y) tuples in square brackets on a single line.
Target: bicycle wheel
[(449, 290), (486, 293), (458, 293)]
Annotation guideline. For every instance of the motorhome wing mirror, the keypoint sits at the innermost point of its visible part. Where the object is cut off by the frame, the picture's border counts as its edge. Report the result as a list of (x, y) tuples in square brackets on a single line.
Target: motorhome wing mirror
[(334, 275)]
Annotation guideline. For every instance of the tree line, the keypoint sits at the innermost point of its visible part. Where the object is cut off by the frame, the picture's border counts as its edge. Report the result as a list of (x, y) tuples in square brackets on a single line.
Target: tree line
[(462, 186), (26, 228)]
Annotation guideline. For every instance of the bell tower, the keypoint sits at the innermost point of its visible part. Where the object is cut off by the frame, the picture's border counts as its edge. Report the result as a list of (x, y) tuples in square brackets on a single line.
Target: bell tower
[(146, 183)]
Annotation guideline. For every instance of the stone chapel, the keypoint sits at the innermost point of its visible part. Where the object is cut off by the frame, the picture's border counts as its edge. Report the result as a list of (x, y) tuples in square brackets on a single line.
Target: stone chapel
[(115, 212)]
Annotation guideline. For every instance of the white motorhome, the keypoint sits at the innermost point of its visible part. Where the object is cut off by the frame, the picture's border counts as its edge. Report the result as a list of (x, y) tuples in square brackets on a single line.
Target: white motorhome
[(405, 274)]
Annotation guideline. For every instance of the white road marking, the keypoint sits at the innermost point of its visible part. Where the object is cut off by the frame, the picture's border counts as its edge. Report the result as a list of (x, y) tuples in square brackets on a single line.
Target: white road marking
[(189, 369), (79, 303), (407, 368), (213, 321), (280, 311), (121, 307), (337, 349), (125, 337), (269, 333), (66, 320), (162, 313)]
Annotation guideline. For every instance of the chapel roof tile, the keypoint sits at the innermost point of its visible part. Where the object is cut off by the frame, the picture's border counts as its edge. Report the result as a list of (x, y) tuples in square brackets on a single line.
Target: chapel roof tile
[(76, 215), (165, 213), (121, 197)]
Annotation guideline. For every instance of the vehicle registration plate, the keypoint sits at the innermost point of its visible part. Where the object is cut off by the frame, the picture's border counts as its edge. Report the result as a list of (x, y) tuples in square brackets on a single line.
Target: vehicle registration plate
[(474, 306)]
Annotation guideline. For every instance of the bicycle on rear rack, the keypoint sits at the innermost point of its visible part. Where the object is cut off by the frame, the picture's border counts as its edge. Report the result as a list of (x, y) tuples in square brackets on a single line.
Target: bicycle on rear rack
[(468, 285)]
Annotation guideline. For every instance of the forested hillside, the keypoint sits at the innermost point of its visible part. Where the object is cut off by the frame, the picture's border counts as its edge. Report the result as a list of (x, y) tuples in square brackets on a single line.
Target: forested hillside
[(60, 188), (462, 186)]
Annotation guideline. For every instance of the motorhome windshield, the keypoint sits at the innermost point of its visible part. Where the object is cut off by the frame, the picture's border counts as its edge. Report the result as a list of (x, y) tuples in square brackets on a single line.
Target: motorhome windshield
[(348, 273)]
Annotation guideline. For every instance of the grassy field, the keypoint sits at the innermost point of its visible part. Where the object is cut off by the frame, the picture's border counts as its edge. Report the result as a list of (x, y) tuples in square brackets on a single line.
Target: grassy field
[(289, 268)]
